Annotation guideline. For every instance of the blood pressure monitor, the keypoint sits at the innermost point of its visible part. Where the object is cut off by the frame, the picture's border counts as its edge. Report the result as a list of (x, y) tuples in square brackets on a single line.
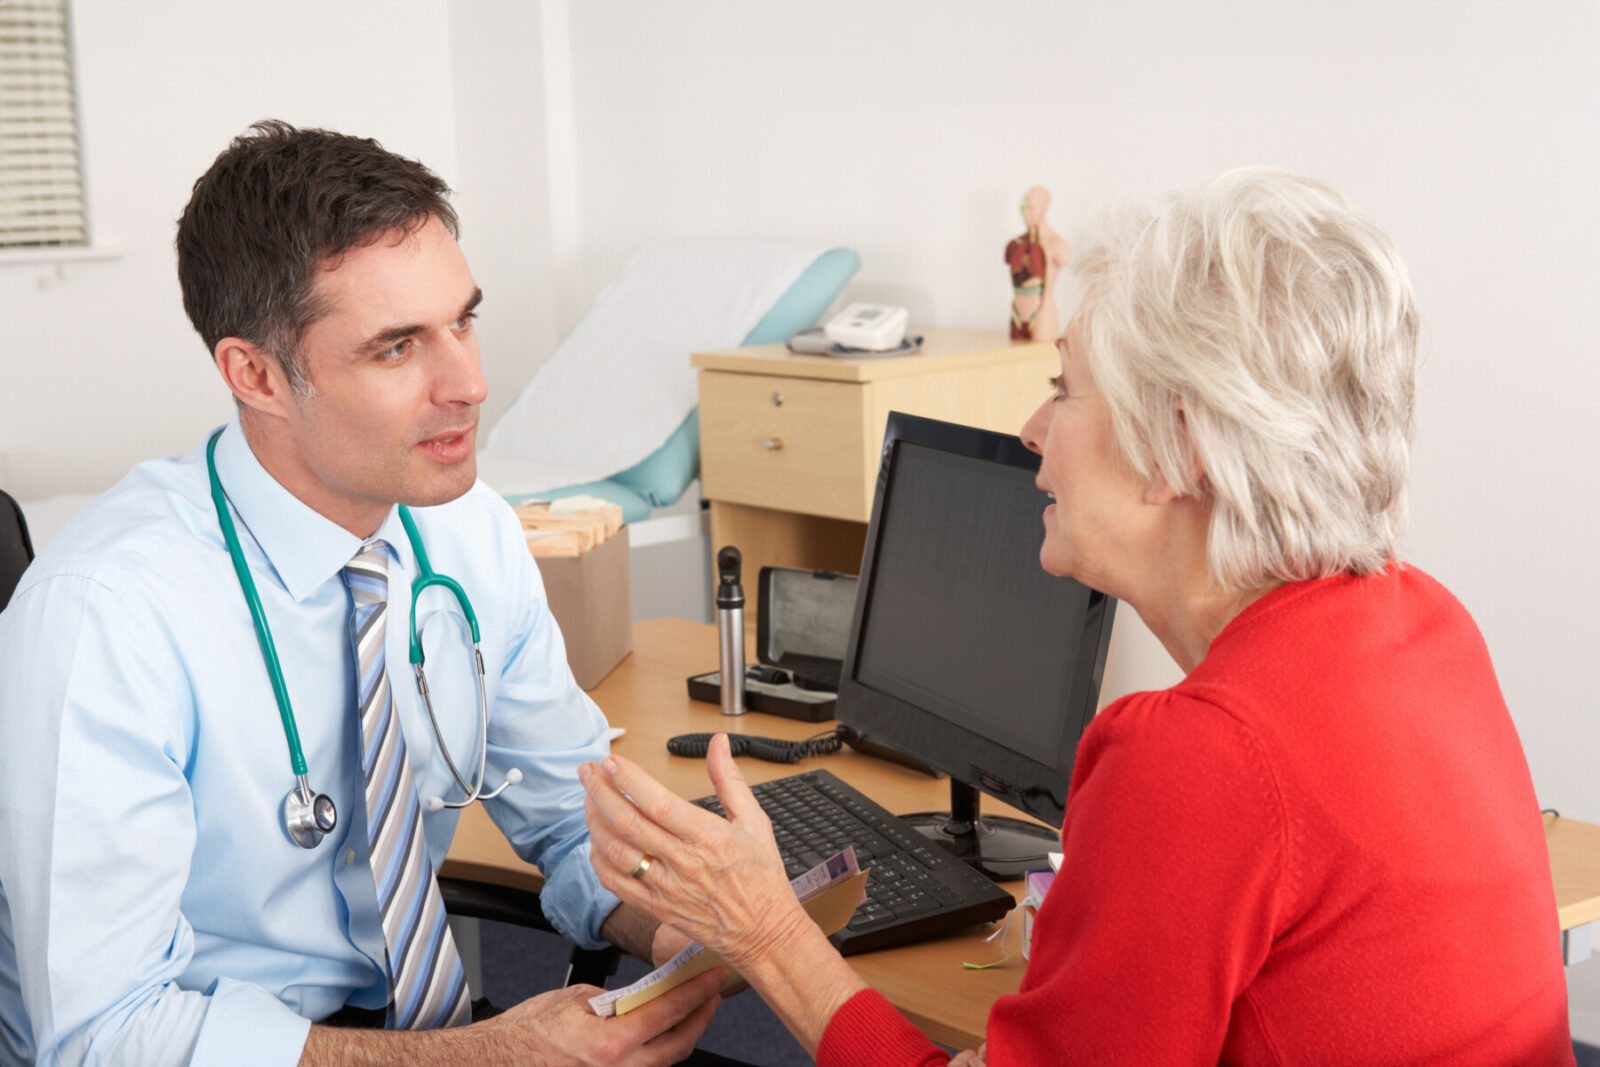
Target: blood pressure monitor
[(873, 327)]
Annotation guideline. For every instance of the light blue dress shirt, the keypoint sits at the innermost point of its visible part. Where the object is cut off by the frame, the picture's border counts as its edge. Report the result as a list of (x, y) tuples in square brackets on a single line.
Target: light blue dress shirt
[(153, 909)]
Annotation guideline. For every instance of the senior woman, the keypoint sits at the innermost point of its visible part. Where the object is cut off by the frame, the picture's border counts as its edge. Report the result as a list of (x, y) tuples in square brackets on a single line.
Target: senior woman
[(1322, 846)]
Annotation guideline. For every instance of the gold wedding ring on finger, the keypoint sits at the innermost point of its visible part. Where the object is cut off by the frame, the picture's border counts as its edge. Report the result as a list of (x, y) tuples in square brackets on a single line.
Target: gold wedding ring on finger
[(644, 865)]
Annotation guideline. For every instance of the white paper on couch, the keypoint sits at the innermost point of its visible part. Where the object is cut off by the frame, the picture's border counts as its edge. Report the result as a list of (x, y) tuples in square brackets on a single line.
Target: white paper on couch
[(620, 383)]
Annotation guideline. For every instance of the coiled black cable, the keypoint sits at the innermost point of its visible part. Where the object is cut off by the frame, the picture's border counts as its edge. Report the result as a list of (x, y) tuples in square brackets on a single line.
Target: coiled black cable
[(771, 749)]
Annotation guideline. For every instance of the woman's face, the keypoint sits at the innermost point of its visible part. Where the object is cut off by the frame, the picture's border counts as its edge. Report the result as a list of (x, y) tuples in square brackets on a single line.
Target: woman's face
[(1099, 525)]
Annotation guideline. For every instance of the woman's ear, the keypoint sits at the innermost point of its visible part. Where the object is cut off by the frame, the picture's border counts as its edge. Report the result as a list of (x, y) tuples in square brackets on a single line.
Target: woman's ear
[(1157, 491)]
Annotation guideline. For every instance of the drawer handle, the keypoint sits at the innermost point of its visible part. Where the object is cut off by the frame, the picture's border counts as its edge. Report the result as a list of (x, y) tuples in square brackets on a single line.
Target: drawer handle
[(772, 444), (777, 400)]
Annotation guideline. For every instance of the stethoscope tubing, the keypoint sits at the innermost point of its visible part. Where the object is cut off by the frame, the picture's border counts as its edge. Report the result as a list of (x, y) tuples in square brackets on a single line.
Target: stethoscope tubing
[(258, 617)]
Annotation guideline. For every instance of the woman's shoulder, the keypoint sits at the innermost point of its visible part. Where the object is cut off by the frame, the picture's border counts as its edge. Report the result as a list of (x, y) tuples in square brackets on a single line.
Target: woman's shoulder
[(1329, 633), (1164, 731), (1169, 766), (1400, 592)]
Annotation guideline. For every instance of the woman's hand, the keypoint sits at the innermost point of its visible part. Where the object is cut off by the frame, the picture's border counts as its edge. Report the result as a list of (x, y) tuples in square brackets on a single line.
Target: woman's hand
[(720, 881)]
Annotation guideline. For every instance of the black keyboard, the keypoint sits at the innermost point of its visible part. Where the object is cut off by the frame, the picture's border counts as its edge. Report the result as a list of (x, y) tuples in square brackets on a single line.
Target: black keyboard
[(916, 890)]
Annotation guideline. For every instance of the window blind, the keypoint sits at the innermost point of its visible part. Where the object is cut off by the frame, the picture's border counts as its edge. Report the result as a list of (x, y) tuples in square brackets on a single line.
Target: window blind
[(41, 183)]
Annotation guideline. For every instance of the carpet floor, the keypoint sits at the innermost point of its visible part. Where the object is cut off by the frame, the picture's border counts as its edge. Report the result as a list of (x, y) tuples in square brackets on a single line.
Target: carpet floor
[(519, 963)]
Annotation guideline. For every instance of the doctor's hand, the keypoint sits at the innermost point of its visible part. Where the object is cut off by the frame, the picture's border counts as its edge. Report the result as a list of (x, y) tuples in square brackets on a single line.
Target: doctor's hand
[(560, 1028), (720, 881)]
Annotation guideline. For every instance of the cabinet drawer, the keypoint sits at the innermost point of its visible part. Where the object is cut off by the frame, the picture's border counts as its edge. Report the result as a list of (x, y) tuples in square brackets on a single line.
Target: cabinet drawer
[(795, 444)]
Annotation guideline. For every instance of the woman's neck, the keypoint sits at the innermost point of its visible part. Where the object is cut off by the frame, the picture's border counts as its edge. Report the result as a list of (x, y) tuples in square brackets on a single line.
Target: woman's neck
[(1174, 591)]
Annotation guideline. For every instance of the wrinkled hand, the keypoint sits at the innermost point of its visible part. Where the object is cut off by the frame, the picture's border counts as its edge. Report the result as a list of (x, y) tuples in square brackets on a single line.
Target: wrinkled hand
[(559, 1028), (720, 881), (970, 1058)]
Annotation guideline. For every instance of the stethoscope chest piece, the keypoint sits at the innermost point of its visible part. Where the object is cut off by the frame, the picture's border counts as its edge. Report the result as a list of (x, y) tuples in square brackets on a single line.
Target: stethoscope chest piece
[(308, 816)]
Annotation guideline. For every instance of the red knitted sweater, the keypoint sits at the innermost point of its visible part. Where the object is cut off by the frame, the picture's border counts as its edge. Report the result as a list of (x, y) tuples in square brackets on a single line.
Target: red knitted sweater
[(1321, 847)]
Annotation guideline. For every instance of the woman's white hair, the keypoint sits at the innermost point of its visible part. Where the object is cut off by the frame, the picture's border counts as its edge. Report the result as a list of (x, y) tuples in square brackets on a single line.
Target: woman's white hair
[(1261, 319)]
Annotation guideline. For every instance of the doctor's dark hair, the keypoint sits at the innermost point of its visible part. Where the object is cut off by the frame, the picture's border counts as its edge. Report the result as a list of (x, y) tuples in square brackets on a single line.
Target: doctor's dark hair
[(274, 207)]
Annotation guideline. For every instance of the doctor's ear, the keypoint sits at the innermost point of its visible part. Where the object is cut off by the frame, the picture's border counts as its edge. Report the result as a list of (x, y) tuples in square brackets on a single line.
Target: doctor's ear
[(253, 375)]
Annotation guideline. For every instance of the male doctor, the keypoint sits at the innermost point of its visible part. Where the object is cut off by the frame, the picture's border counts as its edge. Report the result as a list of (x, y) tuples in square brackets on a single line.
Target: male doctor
[(154, 907)]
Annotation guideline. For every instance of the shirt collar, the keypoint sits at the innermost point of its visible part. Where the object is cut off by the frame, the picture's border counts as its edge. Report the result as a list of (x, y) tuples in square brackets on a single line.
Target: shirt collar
[(303, 547)]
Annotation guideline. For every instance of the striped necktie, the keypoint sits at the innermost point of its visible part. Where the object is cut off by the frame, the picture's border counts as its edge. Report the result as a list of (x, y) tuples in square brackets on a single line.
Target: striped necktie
[(427, 985)]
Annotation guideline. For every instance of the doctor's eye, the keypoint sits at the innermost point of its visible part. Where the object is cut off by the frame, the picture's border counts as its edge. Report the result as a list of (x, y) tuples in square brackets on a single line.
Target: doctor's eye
[(464, 322), (399, 350)]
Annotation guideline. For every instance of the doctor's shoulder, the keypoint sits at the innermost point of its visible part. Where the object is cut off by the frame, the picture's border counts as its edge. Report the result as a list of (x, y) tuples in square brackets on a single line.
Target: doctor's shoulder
[(152, 517)]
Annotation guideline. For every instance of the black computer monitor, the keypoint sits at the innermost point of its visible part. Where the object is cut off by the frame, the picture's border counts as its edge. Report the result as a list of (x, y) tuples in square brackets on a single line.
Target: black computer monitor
[(963, 652)]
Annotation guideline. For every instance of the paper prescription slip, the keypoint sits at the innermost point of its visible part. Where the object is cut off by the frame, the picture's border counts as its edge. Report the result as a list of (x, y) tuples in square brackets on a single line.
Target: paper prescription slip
[(830, 892)]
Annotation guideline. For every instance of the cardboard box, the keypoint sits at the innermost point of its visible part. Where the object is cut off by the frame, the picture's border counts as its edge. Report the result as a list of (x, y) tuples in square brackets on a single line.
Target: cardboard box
[(589, 596)]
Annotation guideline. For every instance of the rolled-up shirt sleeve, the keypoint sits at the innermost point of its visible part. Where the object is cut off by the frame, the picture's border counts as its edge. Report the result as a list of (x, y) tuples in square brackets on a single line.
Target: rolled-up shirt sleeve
[(545, 726), (97, 837)]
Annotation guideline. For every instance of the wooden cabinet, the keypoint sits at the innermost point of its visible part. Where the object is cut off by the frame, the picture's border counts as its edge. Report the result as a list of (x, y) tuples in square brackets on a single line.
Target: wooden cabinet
[(789, 444)]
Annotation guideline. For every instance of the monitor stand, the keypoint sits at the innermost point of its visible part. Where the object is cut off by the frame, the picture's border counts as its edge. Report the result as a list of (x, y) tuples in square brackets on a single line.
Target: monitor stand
[(1002, 848)]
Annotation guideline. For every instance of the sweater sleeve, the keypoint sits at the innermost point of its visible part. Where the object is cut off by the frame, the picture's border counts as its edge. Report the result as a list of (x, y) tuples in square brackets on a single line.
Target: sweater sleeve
[(1166, 903), (868, 1032)]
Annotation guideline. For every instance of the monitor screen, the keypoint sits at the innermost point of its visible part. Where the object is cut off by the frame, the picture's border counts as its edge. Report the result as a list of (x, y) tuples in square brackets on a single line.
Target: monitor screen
[(964, 653)]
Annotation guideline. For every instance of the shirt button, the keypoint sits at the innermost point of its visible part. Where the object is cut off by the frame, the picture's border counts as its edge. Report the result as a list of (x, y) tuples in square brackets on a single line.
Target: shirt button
[(349, 857)]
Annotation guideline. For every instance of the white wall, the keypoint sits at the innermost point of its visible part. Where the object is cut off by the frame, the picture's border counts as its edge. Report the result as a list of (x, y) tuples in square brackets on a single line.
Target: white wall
[(1468, 133), (512, 195), (104, 369)]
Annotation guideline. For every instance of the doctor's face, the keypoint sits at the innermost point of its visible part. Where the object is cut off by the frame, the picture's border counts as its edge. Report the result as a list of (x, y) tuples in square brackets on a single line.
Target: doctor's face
[(392, 416)]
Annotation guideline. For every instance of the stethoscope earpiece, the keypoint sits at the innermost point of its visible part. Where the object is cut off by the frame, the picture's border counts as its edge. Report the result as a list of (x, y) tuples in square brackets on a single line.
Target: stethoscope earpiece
[(513, 776)]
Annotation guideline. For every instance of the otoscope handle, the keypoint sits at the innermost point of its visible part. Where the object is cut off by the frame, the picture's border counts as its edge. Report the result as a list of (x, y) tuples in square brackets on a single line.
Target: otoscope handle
[(730, 630)]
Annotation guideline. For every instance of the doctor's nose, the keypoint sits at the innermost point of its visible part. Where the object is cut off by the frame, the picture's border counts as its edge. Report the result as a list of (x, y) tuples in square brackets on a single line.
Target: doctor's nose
[(461, 379)]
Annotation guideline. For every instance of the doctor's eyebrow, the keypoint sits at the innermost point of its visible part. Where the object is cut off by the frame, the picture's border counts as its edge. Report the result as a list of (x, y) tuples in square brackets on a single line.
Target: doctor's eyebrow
[(384, 339)]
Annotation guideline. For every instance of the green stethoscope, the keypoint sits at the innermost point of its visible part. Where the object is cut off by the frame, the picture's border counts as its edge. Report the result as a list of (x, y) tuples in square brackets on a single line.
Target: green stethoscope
[(308, 815)]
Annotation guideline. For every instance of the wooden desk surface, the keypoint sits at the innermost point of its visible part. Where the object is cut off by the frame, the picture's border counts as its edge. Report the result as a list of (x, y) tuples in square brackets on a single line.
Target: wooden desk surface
[(646, 694), (1574, 868), (926, 982), (943, 349)]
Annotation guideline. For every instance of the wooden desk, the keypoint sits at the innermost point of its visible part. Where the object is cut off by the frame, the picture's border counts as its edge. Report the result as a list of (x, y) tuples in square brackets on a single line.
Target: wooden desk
[(1575, 870), (926, 982)]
